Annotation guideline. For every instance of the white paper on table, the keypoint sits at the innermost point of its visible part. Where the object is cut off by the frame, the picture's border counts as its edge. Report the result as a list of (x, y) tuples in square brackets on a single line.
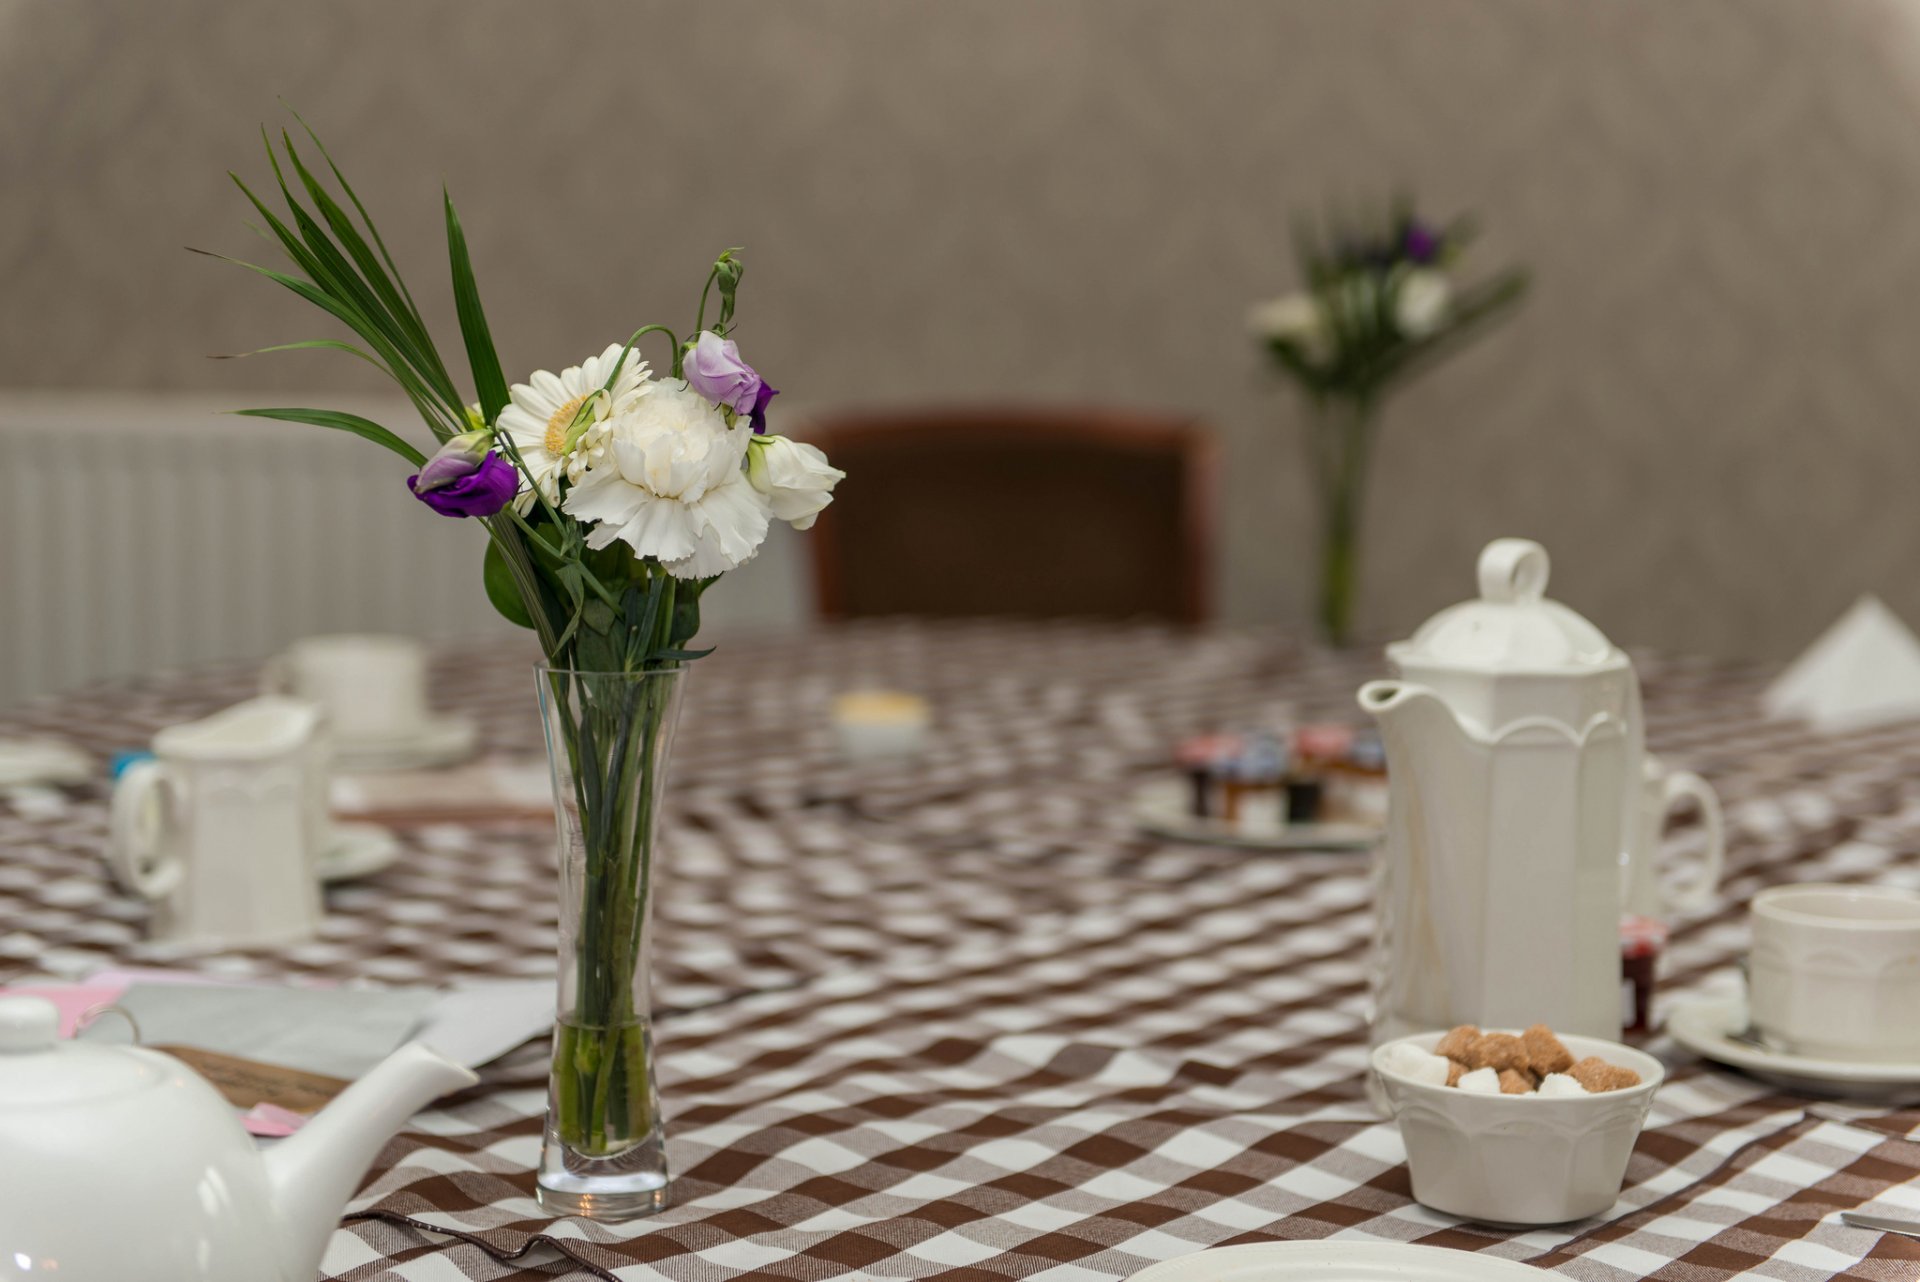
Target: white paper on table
[(477, 1024), (341, 1032), (1863, 671)]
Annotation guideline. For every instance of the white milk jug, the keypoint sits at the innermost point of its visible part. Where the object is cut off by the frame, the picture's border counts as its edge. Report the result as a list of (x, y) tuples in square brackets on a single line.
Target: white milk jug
[(221, 829)]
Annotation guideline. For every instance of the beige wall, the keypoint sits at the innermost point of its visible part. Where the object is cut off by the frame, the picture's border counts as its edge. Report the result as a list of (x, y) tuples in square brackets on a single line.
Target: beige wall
[(1706, 411)]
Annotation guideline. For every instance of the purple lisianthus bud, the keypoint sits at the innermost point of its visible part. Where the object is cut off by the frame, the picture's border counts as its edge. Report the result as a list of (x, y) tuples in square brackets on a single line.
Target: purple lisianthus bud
[(713, 368), (1421, 243), (760, 399), (459, 456), (481, 491)]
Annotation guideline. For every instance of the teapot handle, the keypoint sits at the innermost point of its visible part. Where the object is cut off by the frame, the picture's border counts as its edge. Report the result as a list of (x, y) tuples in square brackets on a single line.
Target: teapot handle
[(1513, 570)]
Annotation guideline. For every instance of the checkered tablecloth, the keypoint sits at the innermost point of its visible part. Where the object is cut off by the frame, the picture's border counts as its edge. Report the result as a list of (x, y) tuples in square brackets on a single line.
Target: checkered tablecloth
[(961, 1020)]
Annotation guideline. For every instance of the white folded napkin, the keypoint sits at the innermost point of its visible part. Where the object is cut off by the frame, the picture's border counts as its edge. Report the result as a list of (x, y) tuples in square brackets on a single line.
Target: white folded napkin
[(341, 1032), (1863, 671)]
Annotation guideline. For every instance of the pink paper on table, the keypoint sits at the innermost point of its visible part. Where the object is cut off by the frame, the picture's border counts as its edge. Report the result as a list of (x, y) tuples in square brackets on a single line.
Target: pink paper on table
[(73, 1000), (271, 1121)]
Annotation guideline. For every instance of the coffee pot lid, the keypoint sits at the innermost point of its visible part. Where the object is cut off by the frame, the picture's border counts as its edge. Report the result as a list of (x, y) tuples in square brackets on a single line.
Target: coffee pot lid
[(1512, 626)]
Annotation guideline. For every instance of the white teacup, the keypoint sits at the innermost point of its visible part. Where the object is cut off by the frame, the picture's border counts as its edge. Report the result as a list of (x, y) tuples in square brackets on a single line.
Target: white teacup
[(1835, 971), (220, 829), (372, 688)]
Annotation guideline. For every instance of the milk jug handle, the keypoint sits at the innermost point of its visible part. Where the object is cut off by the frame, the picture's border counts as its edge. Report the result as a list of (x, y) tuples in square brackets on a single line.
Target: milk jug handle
[(143, 815), (1697, 892), (1513, 570)]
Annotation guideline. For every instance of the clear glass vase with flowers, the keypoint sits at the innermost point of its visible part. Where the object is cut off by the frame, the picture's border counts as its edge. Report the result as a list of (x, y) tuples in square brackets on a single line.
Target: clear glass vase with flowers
[(611, 498), (1380, 300)]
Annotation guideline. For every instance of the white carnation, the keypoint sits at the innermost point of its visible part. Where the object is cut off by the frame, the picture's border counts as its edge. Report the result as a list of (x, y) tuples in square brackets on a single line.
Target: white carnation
[(666, 478)]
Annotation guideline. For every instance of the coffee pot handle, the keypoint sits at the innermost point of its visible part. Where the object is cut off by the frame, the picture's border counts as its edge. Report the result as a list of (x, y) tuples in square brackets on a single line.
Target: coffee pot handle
[(145, 810), (1697, 892)]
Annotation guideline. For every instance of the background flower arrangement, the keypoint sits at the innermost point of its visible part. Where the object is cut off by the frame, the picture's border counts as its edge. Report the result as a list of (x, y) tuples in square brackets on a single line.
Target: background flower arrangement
[(1381, 303), (611, 500)]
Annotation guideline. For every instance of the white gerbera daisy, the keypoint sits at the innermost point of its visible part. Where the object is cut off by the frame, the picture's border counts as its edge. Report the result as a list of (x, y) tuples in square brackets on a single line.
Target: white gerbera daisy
[(542, 410), (670, 482)]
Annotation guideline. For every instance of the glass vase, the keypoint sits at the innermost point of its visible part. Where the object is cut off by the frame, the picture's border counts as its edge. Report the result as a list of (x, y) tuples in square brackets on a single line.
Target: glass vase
[(1342, 437), (609, 737)]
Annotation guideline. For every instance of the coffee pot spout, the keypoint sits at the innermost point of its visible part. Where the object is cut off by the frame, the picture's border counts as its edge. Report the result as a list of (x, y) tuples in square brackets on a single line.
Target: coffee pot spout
[(1410, 714)]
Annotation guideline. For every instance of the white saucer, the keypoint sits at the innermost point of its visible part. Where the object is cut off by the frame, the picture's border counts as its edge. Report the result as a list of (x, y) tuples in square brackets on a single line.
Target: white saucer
[(1160, 808), (27, 762), (358, 850), (440, 741), (1704, 1025), (1337, 1262)]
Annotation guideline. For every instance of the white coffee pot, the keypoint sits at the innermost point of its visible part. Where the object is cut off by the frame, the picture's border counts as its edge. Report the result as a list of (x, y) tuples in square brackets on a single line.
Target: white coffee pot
[(123, 1163), (1518, 816)]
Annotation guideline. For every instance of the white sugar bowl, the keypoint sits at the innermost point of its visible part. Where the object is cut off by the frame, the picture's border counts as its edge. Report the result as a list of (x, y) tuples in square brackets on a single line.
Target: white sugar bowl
[(1519, 1159)]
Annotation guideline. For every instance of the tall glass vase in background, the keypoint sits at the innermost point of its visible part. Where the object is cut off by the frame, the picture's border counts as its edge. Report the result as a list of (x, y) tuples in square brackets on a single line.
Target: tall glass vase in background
[(1340, 438), (609, 737)]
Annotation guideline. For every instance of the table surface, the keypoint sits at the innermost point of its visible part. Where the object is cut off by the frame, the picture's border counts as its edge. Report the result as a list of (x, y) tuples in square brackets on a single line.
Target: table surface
[(959, 1019)]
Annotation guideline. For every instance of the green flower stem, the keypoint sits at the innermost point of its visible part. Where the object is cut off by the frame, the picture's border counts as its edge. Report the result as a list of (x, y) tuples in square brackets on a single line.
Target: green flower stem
[(603, 1090), (1341, 442)]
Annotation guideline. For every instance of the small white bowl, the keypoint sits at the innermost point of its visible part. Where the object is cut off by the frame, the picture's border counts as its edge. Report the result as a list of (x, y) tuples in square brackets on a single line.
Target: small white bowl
[(1519, 1159)]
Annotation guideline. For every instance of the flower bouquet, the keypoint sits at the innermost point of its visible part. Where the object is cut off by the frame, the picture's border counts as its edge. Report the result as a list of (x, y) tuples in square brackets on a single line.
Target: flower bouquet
[(611, 500), (1380, 304)]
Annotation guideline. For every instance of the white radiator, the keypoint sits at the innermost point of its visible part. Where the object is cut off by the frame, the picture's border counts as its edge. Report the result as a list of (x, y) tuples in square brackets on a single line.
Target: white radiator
[(142, 532)]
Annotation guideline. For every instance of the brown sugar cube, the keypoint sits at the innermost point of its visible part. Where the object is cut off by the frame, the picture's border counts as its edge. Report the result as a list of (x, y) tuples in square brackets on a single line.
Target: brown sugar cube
[(1455, 1071), (1515, 1081), (1598, 1076), (1545, 1052), (1454, 1045), (1497, 1051)]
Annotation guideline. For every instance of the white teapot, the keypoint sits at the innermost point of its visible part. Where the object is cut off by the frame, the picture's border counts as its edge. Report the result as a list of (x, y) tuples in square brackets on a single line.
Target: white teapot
[(120, 1163), (1518, 826)]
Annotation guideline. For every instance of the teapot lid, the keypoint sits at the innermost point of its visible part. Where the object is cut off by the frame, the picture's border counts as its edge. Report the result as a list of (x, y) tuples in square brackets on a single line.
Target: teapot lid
[(1512, 626), (38, 1069)]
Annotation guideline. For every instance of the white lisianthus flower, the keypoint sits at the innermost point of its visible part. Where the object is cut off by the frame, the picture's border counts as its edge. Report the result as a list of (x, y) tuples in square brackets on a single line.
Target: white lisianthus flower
[(669, 482), (795, 477), (540, 417), (1295, 318), (1420, 306)]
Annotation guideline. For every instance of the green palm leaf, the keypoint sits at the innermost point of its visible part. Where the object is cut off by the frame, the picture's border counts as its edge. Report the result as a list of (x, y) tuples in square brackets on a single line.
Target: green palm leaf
[(488, 381), (342, 422)]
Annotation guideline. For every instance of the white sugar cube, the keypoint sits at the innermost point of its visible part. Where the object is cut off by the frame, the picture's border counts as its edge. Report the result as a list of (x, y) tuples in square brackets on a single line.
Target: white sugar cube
[(1410, 1061), (1559, 1084), (1481, 1081)]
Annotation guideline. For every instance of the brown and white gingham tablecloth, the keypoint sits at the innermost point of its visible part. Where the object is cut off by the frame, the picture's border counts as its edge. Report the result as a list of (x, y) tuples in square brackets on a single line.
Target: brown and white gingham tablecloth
[(960, 1020)]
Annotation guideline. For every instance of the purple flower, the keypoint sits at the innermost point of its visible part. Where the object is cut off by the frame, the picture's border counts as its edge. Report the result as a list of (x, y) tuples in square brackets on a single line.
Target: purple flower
[(459, 456), (1420, 242), (713, 368), (480, 491), (760, 399)]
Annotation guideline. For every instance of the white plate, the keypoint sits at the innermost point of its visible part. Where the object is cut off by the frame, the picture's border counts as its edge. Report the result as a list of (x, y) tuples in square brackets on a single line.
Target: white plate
[(1704, 1026), (442, 741), (26, 762), (1161, 809), (358, 850), (1337, 1262)]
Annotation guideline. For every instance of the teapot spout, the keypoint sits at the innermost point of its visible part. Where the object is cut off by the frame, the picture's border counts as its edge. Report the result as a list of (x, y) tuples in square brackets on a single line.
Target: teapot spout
[(312, 1173)]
